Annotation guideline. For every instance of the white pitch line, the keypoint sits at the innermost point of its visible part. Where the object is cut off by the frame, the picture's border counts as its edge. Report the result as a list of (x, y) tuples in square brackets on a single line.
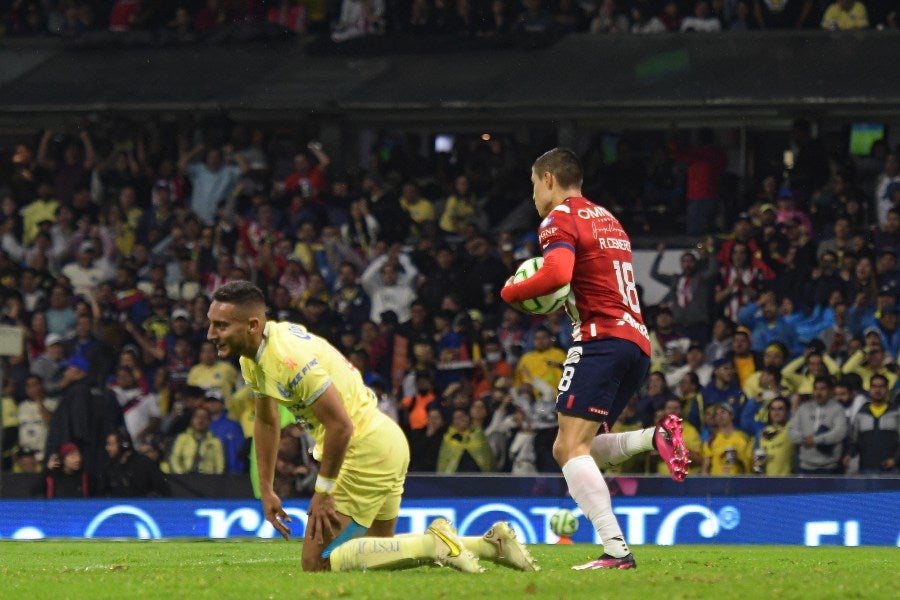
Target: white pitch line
[(193, 563)]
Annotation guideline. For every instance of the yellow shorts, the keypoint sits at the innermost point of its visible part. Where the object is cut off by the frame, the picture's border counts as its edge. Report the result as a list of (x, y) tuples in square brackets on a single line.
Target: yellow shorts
[(370, 483)]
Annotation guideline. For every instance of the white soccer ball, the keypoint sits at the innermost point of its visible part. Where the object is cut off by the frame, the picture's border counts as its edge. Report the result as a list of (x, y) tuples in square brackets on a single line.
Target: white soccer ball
[(564, 523), (542, 305)]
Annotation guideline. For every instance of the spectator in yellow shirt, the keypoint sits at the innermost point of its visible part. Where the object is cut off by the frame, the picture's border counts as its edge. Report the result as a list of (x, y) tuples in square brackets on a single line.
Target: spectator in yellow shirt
[(777, 453), (420, 210), (729, 451), (42, 208), (845, 14), (800, 373), (197, 450), (869, 361), (211, 372), (545, 362), (461, 208)]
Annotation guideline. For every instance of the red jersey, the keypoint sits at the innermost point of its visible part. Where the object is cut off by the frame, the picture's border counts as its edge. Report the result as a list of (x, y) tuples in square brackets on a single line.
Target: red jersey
[(603, 285), (705, 167), (314, 180)]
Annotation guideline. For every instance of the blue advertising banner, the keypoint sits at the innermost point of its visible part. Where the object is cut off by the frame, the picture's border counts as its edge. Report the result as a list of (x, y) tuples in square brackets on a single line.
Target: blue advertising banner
[(871, 519)]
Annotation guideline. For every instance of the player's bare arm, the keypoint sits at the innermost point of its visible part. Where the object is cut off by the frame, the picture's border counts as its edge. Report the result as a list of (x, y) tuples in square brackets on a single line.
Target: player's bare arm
[(329, 410), (266, 433)]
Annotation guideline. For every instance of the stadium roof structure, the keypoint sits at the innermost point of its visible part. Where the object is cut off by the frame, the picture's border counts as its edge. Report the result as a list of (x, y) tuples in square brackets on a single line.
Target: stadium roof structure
[(647, 79)]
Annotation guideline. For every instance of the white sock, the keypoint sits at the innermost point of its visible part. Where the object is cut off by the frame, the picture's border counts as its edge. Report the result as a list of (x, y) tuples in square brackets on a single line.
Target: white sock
[(611, 449), (588, 488)]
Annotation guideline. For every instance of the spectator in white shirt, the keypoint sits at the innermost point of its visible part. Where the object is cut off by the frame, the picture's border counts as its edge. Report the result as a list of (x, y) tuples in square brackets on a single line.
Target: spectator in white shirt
[(702, 21), (84, 274), (388, 287)]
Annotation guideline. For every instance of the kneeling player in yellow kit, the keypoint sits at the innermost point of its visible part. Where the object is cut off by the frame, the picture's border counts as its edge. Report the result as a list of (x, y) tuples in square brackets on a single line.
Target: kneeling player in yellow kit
[(363, 454)]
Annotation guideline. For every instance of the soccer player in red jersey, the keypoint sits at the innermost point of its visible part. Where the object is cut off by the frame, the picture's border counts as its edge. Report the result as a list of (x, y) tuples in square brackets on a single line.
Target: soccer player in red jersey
[(585, 245)]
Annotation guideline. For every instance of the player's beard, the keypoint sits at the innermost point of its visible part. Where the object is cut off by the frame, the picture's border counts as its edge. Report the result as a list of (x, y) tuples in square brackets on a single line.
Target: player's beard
[(223, 349)]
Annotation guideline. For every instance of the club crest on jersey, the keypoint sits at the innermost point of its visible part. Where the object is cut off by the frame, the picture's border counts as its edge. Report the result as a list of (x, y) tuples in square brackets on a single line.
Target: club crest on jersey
[(547, 221)]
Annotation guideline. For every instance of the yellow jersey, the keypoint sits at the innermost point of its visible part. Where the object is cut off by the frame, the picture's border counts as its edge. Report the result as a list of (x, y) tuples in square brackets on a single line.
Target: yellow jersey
[(731, 454), (221, 375), (779, 450), (295, 367), (540, 364), (33, 214)]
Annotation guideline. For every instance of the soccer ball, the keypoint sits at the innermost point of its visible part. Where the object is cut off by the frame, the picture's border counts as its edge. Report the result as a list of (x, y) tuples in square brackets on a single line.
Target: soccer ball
[(542, 305), (563, 523)]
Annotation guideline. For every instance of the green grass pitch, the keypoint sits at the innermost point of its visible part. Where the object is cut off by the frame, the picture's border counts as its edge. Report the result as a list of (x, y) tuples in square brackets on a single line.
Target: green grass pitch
[(260, 569)]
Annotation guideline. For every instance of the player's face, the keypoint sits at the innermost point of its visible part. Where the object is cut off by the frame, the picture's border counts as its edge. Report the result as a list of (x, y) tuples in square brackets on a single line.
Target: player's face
[(229, 329), (541, 193)]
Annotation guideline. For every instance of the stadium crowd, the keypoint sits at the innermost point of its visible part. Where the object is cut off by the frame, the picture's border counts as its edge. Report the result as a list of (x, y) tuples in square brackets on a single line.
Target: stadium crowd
[(180, 21), (777, 340)]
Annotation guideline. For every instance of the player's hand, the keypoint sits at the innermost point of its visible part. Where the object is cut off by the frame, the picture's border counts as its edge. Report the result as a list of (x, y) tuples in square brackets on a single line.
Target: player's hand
[(275, 514), (322, 518)]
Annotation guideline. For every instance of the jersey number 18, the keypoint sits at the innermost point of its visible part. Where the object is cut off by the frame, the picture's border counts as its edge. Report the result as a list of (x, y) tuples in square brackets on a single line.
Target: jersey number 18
[(627, 286)]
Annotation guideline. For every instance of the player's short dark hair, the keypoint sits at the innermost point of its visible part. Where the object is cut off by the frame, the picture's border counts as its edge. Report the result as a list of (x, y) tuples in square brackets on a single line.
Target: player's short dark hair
[(563, 164), (240, 293)]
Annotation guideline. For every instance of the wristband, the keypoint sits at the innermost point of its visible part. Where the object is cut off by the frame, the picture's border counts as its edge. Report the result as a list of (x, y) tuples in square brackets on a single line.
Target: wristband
[(324, 485)]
